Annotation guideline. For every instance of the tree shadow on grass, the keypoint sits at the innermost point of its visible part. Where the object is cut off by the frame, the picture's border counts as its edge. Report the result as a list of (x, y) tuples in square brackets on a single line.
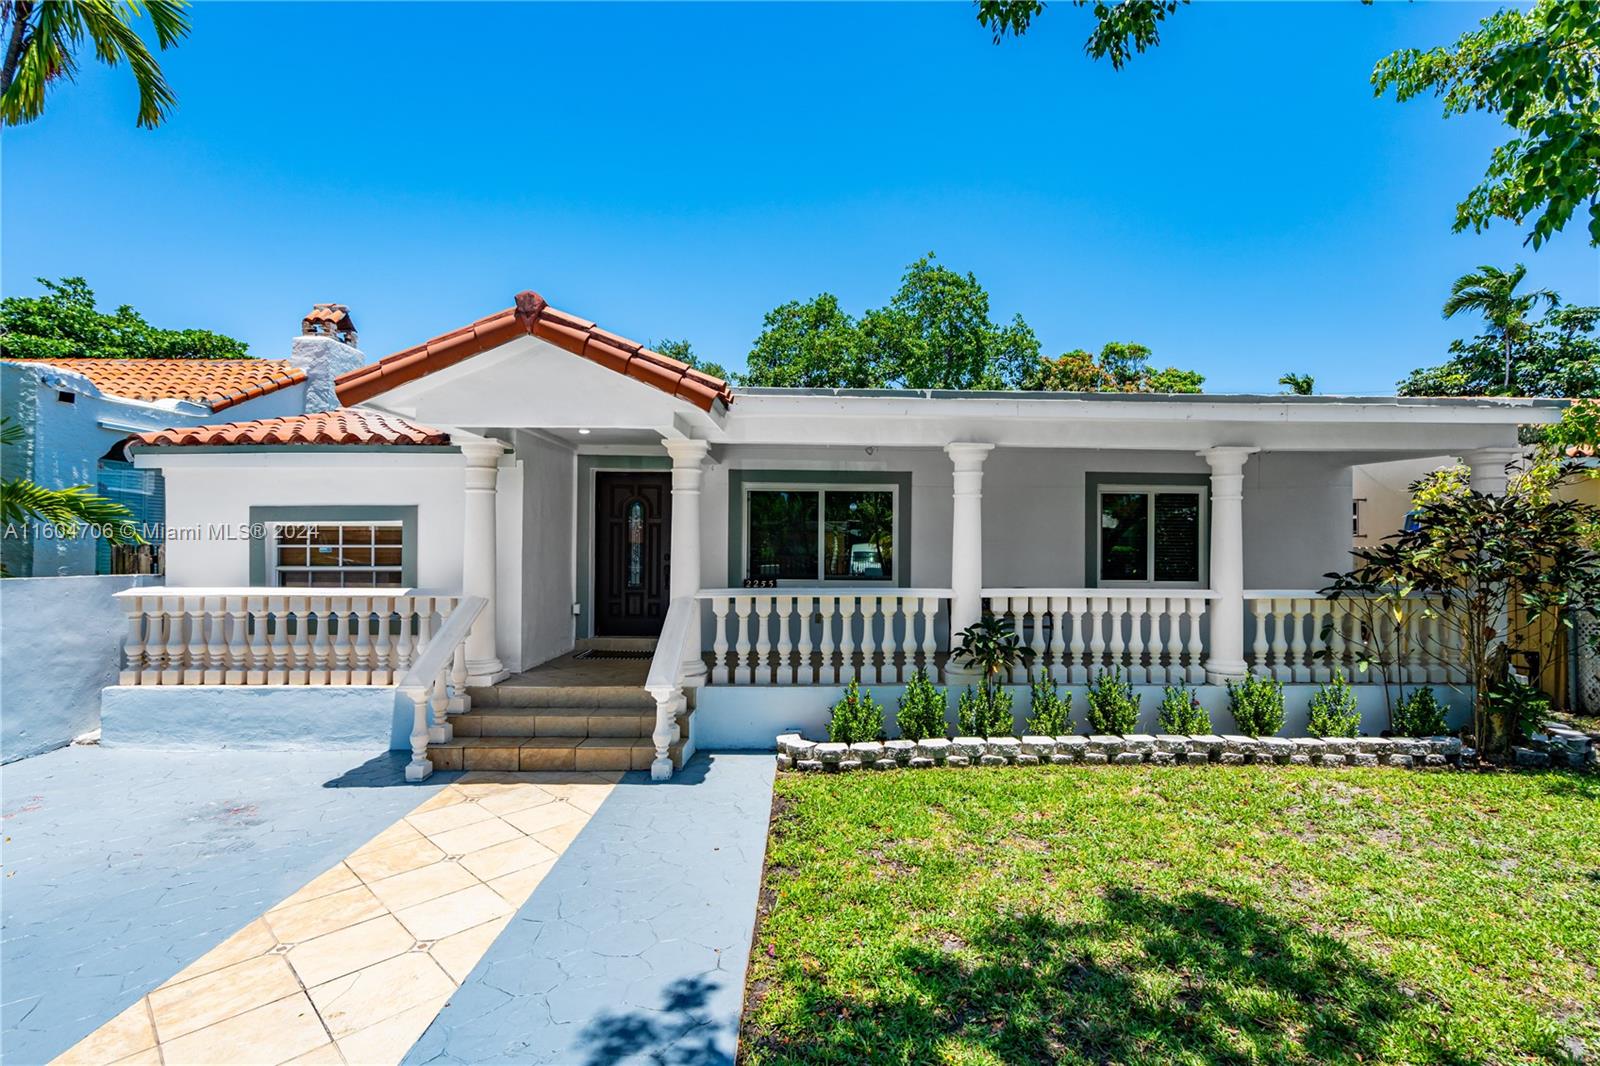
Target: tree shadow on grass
[(1196, 979)]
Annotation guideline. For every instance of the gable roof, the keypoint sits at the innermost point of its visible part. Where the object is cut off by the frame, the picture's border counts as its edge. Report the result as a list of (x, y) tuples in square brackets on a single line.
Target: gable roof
[(533, 317), (343, 426), (217, 383)]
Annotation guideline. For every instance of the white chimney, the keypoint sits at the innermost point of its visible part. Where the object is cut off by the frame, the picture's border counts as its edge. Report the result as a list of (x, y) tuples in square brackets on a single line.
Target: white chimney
[(325, 349)]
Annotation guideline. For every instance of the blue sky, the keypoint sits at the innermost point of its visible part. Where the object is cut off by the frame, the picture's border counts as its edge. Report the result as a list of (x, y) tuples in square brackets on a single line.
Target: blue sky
[(1236, 199)]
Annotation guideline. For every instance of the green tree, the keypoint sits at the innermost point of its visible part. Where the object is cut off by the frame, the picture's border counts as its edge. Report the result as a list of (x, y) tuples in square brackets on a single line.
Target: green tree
[(1557, 356), (935, 333), (43, 39), (1122, 27), (683, 352), (811, 345), (64, 324), (1489, 566), (1299, 384), (1120, 367), (67, 511), (1539, 70), (1492, 293)]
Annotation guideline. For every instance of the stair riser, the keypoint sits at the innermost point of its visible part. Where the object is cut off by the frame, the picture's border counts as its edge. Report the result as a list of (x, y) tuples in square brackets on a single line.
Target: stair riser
[(505, 696), (526, 725), (530, 759)]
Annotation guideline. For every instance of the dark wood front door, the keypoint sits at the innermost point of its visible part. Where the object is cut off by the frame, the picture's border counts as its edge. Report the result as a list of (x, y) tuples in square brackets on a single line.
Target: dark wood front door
[(633, 529)]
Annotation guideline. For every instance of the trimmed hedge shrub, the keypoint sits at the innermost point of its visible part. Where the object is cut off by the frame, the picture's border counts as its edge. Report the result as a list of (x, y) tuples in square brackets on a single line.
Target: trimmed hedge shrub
[(1181, 712), (1257, 705), (1113, 707), (922, 709), (856, 717), (1050, 714), (1333, 710), (985, 712), (1418, 715)]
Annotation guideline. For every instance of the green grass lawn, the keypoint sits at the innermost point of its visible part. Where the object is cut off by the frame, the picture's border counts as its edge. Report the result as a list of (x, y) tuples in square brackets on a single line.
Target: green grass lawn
[(1137, 915)]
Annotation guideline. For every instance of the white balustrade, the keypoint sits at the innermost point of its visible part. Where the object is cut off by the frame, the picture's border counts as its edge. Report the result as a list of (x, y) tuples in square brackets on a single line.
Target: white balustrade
[(1153, 636), (825, 636), (274, 636), (1301, 636)]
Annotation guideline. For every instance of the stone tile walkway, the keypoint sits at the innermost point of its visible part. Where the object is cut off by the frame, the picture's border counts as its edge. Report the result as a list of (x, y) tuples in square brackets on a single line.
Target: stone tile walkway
[(634, 947), (354, 965), (123, 867)]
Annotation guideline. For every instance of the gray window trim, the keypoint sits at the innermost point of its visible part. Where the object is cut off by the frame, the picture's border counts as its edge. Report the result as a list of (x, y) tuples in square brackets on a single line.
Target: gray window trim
[(738, 479), (1093, 482), (405, 515)]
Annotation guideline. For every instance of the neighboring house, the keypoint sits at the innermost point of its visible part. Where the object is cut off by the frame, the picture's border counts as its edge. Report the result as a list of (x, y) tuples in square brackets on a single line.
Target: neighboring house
[(73, 412), (559, 486)]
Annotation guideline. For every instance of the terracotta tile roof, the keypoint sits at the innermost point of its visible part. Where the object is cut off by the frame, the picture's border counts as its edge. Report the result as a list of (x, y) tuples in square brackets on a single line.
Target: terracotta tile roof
[(343, 426), (217, 383), (534, 317)]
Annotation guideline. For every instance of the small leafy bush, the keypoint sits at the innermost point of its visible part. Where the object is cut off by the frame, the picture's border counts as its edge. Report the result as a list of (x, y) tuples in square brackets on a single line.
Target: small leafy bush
[(856, 717), (1257, 705), (1516, 707), (1333, 710), (921, 713), (1113, 707), (1051, 711), (1418, 715), (984, 712), (992, 647), (1181, 712)]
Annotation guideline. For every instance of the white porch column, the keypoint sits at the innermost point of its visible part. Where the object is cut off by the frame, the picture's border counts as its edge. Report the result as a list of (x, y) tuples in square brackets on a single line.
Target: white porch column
[(688, 459), (966, 534), (1225, 657), (1488, 467), (478, 556)]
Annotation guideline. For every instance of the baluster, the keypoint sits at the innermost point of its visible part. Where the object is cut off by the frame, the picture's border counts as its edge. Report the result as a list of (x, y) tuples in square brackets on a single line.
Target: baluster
[(1281, 609), (1097, 636), (763, 663), (1076, 670), (826, 605), (1119, 610), (214, 610), (299, 640), (1196, 609), (869, 610), (847, 639), (1058, 639), (1416, 668), (133, 656), (260, 657), (742, 671), (339, 636), (929, 659), (1297, 641), (404, 640), (888, 611), (424, 608), (784, 674), (908, 637), (360, 626), (1336, 642), (1172, 671), (805, 669), (440, 731), (233, 654), (172, 655), (321, 660), (383, 637), (155, 641), (460, 700), (1319, 655), (278, 624), (1037, 607), (1137, 607), (719, 645), (194, 651), (1259, 663)]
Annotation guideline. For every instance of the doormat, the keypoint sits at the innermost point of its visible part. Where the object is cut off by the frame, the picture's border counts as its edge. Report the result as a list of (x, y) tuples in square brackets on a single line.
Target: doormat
[(605, 653)]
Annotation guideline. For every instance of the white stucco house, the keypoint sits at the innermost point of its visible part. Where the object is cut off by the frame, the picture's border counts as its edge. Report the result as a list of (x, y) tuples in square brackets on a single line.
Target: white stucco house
[(487, 503), (72, 412)]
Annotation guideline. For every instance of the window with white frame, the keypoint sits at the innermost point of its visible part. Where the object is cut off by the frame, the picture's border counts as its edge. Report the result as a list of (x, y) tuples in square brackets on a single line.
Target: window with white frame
[(337, 554), (1151, 535), (804, 534)]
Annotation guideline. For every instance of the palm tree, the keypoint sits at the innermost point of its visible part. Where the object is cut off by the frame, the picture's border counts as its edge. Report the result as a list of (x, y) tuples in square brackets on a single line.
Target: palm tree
[(42, 38), (66, 510), (1492, 292)]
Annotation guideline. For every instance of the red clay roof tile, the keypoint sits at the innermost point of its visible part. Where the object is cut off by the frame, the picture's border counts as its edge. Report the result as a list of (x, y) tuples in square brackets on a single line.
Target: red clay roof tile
[(217, 383), (343, 426), (533, 316)]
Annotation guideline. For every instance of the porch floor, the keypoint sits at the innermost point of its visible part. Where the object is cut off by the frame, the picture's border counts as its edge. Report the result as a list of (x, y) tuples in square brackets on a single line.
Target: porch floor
[(569, 671)]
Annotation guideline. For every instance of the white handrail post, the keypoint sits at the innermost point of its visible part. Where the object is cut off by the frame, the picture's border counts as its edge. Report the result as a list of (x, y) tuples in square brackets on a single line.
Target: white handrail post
[(668, 701), (419, 768)]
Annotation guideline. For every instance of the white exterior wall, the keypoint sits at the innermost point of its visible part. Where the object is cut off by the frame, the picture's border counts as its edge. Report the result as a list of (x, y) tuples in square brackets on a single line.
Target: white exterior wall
[(210, 493), (545, 627)]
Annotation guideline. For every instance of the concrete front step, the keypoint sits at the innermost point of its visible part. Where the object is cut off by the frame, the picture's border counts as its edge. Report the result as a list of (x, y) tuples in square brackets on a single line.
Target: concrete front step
[(528, 722), (547, 753), (562, 696)]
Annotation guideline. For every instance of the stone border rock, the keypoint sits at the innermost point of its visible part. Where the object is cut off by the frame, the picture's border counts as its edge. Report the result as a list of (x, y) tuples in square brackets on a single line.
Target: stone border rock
[(797, 753)]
